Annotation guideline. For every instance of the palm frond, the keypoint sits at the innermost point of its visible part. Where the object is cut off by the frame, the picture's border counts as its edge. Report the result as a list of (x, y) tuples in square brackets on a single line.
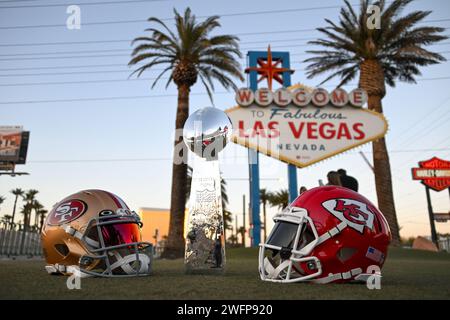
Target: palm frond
[(190, 48), (399, 46)]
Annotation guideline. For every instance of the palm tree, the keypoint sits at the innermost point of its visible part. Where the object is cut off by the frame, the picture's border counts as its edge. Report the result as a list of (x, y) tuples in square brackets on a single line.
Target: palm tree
[(26, 211), (280, 199), (393, 52), (42, 216), (227, 222), (188, 53), (233, 239), (17, 193), (242, 231), (227, 215), (6, 220), (29, 198), (2, 199), (264, 197), (37, 207)]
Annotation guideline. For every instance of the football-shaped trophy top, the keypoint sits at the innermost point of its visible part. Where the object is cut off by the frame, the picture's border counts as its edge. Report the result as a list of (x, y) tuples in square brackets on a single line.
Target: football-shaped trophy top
[(207, 132)]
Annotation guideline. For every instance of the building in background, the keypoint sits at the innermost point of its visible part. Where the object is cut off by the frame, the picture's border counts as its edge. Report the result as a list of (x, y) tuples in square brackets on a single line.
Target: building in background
[(156, 224)]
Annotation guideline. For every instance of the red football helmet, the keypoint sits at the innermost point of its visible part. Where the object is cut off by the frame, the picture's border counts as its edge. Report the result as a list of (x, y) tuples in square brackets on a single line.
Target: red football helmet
[(328, 234)]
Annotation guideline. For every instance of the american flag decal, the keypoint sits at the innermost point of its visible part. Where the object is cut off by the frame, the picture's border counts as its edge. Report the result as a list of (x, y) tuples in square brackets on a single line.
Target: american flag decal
[(375, 255)]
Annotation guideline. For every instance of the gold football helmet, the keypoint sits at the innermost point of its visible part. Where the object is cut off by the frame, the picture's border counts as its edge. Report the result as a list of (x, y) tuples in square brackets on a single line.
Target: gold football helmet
[(94, 233)]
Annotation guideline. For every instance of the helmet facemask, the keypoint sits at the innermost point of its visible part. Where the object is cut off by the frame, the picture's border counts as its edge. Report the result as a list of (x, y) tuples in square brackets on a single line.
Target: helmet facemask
[(114, 246), (287, 248)]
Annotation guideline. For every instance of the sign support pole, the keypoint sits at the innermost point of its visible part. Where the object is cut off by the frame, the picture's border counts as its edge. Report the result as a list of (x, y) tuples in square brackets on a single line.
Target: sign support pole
[(431, 215), (292, 170), (253, 156), (253, 166), (243, 219)]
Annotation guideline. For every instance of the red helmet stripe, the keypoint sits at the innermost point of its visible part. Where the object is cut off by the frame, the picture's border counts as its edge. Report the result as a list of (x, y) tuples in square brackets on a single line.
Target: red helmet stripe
[(119, 202)]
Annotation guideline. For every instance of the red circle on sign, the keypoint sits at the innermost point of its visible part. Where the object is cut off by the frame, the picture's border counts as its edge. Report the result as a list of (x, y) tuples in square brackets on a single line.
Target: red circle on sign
[(67, 211)]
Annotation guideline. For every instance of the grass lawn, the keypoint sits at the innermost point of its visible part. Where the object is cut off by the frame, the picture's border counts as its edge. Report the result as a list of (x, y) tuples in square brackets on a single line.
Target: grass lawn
[(407, 274)]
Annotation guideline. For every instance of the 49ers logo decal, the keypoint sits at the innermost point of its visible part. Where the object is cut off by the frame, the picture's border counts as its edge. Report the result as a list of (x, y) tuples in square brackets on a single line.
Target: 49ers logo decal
[(355, 213), (67, 211)]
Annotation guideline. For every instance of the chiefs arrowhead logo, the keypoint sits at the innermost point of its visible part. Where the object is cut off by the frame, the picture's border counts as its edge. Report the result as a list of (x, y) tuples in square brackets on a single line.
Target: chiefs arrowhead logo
[(67, 212), (355, 213)]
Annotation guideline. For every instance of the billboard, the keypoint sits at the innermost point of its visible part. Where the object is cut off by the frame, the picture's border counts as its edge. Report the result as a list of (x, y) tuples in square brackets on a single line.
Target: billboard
[(13, 144), (301, 126)]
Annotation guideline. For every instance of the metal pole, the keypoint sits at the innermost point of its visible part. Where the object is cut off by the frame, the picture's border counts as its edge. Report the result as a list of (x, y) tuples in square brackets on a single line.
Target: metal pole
[(431, 215), (243, 218), (292, 179), (292, 170), (367, 161), (253, 158)]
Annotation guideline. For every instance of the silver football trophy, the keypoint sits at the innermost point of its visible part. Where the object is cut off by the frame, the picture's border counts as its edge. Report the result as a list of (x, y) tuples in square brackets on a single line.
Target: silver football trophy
[(206, 133)]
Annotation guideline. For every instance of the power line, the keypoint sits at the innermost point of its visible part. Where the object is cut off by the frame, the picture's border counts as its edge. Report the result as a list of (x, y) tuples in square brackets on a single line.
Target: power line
[(139, 97), (123, 55), (100, 51), (65, 52), (422, 118), (76, 82), (83, 72), (235, 14), (132, 159), (148, 79), (5, 1), (104, 98), (129, 40), (130, 49), (78, 3), (69, 73), (406, 151), (447, 139), (438, 123), (64, 67), (61, 43), (68, 57)]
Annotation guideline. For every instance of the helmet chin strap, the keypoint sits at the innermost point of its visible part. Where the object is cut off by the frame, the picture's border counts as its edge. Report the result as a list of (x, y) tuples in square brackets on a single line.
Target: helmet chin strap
[(272, 272), (124, 263)]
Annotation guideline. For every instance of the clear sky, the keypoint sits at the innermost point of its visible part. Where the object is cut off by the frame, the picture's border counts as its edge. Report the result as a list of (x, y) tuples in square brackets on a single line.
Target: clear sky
[(93, 128)]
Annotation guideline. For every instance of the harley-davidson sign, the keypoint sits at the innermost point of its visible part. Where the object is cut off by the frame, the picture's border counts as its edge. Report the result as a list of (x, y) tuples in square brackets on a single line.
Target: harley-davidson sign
[(302, 126), (434, 173)]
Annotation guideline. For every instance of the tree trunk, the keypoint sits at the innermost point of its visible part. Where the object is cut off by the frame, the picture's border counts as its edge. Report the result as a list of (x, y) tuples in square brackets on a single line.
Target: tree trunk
[(14, 210), (383, 179), (41, 223), (372, 80), (225, 234), (36, 217), (175, 241)]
